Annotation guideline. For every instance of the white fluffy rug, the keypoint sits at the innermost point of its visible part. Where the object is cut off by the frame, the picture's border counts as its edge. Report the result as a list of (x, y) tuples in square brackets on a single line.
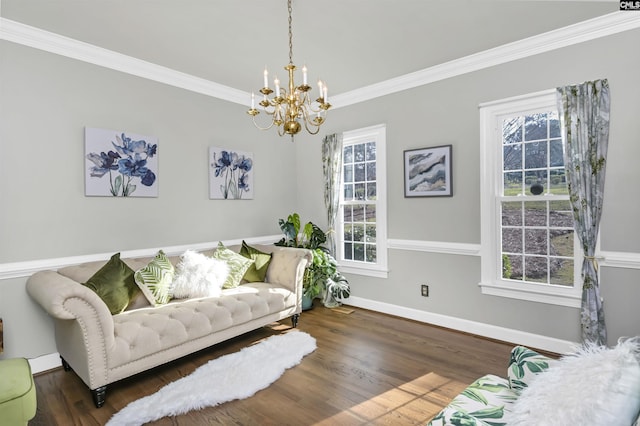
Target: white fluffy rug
[(234, 376)]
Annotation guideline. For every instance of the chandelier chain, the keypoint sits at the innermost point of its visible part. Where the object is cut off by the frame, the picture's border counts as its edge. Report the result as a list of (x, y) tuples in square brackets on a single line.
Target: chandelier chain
[(291, 107), (290, 33)]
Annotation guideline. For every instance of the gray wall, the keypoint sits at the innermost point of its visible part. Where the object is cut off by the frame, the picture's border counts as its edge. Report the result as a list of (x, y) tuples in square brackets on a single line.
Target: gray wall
[(46, 100), (446, 112)]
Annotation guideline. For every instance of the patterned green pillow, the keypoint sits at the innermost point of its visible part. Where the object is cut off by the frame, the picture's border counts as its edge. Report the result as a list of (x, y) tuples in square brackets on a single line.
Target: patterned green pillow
[(155, 280), (114, 284), (524, 365), (237, 263), (258, 270)]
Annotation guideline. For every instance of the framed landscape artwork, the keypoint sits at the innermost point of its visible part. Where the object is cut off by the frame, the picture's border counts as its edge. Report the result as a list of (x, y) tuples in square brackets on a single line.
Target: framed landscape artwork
[(427, 172), (120, 164), (230, 174)]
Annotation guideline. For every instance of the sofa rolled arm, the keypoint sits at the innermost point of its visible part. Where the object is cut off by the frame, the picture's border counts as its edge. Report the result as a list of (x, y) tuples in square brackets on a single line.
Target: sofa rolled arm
[(66, 299)]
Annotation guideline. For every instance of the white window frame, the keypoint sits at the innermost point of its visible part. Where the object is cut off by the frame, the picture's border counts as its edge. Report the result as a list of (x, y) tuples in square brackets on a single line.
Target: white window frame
[(492, 283), (379, 269)]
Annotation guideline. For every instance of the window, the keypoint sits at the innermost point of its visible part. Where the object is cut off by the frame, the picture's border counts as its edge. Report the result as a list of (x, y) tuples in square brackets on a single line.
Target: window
[(529, 248), (362, 218)]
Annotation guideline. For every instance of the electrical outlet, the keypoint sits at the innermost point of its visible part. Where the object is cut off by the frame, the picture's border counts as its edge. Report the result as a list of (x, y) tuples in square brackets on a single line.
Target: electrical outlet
[(424, 290)]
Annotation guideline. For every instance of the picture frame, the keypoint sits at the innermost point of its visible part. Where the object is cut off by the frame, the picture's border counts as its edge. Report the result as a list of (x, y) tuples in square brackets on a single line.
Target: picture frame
[(230, 174), (119, 163), (428, 172)]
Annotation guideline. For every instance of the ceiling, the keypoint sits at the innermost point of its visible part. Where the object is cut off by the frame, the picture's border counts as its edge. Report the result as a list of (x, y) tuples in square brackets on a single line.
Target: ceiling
[(347, 43)]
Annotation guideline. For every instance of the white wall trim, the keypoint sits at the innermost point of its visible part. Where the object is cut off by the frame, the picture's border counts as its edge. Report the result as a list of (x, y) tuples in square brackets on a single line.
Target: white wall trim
[(54, 43), (617, 259), (27, 268), (442, 247), (45, 363), (581, 32), (516, 337), (602, 26)]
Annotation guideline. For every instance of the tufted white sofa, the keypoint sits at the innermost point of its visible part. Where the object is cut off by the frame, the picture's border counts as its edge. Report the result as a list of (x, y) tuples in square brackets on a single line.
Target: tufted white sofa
[(102, 348)]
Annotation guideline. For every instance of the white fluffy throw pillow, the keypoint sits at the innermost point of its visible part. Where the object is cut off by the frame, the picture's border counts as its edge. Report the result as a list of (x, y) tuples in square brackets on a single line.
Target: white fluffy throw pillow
[(596, 386), (199, 276)]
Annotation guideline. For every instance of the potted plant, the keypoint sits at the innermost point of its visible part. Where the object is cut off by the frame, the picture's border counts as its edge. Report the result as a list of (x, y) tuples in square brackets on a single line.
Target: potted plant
[(322, 276)]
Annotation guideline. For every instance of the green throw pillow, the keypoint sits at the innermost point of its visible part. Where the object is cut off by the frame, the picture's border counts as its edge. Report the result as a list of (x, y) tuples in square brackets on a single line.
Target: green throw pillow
[(258, 270), (237, 263), (155, 280), (114, 284)]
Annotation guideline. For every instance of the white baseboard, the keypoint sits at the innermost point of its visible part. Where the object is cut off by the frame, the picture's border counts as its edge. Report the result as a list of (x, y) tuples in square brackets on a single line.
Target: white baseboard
[(516, 337), (45, 363), (51, 361)]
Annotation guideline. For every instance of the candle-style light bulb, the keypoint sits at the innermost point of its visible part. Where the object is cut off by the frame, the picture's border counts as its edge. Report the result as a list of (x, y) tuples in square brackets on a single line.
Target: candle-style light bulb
[(253, 100), (266, 77), (320, 88), (304, 75), (277, 83)]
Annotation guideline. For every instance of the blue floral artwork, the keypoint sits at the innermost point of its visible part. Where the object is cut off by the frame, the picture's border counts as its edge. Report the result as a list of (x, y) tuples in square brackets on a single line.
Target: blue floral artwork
[(230, 174), (120, 164)]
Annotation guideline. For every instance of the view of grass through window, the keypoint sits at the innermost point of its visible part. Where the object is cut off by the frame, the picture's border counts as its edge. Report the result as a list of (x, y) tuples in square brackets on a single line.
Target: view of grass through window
[(537, 234)]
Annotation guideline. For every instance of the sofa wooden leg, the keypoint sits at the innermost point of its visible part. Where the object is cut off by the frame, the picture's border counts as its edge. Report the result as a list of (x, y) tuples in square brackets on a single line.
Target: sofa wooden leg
[(99, 396), (65, 365), (294, 320)]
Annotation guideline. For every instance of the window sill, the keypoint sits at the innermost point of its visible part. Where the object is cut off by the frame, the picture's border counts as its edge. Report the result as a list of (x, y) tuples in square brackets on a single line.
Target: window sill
[(535, 293)]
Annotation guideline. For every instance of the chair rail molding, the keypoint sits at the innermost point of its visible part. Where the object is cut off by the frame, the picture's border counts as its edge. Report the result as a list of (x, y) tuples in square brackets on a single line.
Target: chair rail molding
[(29, 267)]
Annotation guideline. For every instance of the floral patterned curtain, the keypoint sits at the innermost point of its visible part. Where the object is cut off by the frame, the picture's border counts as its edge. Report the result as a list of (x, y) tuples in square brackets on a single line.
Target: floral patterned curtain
[(584, 109), (332, 170)]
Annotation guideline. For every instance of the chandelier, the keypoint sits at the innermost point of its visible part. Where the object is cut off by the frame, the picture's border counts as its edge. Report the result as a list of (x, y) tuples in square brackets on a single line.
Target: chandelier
[(291, 106)]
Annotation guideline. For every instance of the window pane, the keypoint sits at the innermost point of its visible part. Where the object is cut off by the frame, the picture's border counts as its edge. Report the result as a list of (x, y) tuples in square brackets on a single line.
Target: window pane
[(560, 214), (358, 191), (371, 191), (512, 240), (561, 243), (512, 130), (371, 213), (358, 213), (348, 154), (358, 252), (535, 155), (359, 172), (371, 253), (558, 179), (535, 241), (512, 214), (358, 232), (562, 272), (370, 233), (348, 233), (535, 269), (536, 181), (371, 171), (512, 267), (535, 213), (358, 153), (535, 127), (554, 124), (348, 192), (512, 157), (512, 183), (347, 214), (348, 251), (348, 173), (371, 151), (556, 150)]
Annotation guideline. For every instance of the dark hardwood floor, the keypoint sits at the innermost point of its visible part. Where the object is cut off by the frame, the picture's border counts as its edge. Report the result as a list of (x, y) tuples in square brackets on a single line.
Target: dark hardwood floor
[(369, 368)]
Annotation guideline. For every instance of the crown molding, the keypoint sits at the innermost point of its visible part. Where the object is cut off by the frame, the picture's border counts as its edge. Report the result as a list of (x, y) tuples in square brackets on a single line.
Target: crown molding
[(60, 45), (581, 32)]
